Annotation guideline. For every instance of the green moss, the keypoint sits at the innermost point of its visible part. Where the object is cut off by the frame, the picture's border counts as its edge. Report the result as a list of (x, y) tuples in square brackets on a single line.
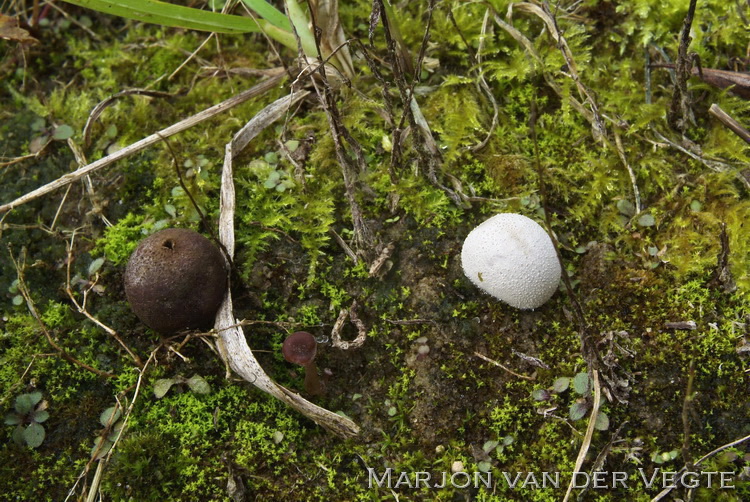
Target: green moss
[(121, 239)]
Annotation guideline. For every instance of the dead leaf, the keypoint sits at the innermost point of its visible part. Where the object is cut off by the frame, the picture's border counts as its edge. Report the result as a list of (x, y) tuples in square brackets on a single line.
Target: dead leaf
[(9, 30)]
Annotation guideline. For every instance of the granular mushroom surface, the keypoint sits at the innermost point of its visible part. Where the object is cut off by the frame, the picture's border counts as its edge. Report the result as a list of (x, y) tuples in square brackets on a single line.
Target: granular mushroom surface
[(176, 279), (511, 257)]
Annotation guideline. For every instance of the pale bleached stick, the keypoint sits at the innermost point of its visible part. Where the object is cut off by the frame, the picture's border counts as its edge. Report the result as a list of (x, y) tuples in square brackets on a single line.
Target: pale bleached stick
[(189, 122), (232, 343)]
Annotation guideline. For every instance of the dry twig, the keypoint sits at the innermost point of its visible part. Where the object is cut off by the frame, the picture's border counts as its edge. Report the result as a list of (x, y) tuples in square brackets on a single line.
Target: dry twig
[(693, 151), (680, 114), (589, 434), (492, 361), (147, 141), (728, 121)]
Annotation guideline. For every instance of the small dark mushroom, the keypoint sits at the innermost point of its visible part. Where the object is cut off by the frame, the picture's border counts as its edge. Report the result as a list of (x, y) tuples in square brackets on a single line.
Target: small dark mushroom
[(176, 279), (300, 348)]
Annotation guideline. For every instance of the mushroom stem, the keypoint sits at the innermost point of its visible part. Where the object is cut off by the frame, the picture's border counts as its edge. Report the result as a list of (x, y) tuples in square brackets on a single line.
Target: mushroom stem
[(300, 348), (313, 385)]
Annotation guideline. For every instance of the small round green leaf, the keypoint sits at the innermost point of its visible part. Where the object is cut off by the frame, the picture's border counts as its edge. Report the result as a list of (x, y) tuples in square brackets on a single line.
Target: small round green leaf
[(12, 419), (490, 445), (626, 208), (97, 442), (34, 435), (484, 466), (38, 124), (110, 416), (17, 435), (63, 132), (602, 422), (40, 416), (271, 158), (95, 266), (646, 220), (117, 428), (198, 385), (162, 386), (540, 394), (17, 300), (578, 411), (292, 145), (582, 383), (561, 384), (106, 445), (26, 402)]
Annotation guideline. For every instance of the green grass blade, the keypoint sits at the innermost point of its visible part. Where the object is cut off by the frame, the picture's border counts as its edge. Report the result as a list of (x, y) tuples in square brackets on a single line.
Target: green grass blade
[(300, 20), (165, 14), (269, 13)]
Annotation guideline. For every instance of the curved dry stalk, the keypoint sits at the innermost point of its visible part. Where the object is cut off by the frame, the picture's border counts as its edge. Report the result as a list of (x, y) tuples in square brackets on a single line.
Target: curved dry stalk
[(105, 103), (232, 343), (350, 313)]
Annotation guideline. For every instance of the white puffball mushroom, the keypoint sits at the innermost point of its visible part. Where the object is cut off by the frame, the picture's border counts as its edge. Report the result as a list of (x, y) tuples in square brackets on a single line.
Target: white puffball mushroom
[(512, 258)]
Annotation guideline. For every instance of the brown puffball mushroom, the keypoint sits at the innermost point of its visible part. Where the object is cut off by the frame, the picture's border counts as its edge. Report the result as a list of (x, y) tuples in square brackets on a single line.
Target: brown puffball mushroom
[(176, 279), (300, 348)]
